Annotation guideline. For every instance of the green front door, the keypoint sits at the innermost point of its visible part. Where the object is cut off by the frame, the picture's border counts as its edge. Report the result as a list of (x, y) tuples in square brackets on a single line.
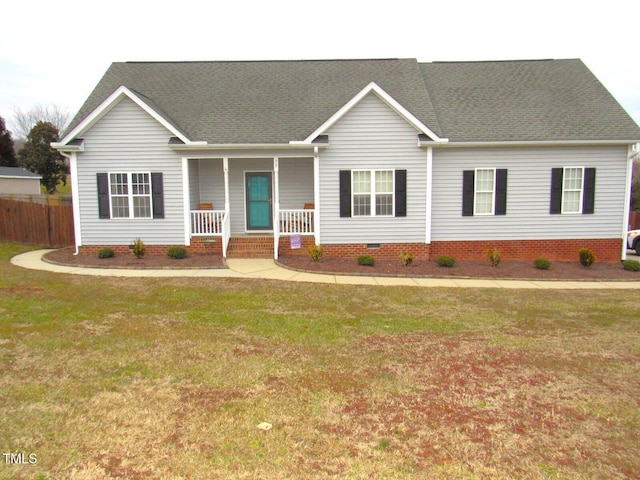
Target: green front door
[(258, 191)]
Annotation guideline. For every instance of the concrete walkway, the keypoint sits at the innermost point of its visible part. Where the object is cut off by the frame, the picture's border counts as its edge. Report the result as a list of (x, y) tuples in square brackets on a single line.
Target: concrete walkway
[(267, 269)]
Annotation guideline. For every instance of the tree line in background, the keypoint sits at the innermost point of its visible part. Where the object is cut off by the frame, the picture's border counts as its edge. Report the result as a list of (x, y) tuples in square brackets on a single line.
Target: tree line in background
[(39, 127)]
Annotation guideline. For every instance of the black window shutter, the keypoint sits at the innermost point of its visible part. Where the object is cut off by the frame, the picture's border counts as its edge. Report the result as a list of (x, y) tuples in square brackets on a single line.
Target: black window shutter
[(401, 193), (501, 191), (589, 192), (103, 195), (556, 191), (345, 193), (468, 180), (157, 195)]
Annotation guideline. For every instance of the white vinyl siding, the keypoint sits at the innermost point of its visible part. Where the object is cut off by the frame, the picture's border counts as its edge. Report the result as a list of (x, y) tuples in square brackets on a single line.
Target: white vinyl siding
[(484, 191), (572, 180), (373, 137), (128, 140), (528, 195)]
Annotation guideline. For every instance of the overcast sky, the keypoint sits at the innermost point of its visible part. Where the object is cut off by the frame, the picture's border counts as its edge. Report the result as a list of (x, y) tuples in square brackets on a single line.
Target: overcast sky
[(55, 51)]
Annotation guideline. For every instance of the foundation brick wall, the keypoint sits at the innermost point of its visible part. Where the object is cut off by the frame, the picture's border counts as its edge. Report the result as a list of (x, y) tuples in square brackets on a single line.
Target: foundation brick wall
[(607, 249), (387, 251), (199, 245)]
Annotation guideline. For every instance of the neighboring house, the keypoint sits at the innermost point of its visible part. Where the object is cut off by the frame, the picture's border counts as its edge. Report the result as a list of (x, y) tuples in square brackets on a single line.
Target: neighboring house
[(360, 156), (18, 181)]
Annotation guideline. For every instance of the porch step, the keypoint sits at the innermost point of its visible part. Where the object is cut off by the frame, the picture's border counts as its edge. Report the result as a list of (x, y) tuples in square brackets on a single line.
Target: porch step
[(250, 247)]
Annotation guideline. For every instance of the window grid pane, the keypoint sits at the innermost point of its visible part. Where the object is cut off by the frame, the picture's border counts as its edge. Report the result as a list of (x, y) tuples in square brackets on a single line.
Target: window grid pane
[(141, 207), (484, 203), (119, 184), (361, 182), (120, 207), (361, 205), (384, 204), (384, 181)]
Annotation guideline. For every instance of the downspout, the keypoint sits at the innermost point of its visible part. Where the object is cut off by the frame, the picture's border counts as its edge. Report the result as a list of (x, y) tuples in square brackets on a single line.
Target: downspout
[(633, 151), (73, 170)]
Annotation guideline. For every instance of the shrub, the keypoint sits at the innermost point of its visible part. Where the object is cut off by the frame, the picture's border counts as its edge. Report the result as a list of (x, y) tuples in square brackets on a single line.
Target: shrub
[(494, 256), (445, 261), (316, 252), (106, 253), (587, 257), (631, 265), (177, 252), (542, 263), (138, 248), (366, 260), (406, 258)]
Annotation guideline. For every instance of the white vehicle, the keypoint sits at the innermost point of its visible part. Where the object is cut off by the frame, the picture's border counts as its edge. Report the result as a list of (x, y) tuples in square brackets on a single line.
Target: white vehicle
[(633, 240)]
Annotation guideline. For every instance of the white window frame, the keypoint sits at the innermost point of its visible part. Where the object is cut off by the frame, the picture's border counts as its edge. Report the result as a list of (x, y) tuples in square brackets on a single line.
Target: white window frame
[(373, 193), (130, 195), (476, 191), (581, 190)]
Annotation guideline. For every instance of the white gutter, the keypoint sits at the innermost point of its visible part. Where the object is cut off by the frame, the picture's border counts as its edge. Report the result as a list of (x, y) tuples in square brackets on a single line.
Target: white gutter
[(244, 146), (632, 153), (528, 143)]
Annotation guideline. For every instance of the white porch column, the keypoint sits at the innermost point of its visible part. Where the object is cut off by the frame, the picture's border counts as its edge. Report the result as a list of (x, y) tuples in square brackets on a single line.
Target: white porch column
[(186, 201), (276, 207), (316, 195), (225, 169), (429, 194)]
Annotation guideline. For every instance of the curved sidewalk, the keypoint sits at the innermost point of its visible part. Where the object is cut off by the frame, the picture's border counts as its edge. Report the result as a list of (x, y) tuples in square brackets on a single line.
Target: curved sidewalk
[(267, 269)]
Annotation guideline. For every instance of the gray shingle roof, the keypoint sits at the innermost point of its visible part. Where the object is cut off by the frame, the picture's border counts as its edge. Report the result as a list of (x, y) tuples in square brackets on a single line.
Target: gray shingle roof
[(17, 172), (280, 101), (524, 100)]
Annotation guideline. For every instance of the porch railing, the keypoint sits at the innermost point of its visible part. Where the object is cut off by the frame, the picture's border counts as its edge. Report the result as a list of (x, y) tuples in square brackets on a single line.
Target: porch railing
[(296, 222), (205, 223)]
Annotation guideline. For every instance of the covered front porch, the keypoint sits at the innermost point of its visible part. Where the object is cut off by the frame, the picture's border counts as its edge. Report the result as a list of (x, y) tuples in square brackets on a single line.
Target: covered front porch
[(250, 197)]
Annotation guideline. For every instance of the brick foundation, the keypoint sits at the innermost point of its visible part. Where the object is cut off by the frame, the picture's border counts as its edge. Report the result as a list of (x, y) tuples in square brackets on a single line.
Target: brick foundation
[(199, 245), (386, 251), (606, 249)]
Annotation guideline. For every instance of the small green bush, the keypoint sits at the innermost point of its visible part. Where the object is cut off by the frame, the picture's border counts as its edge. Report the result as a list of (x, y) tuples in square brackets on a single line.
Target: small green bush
[(446, 261), (494, 256), (316, 252), (631, 265), (177, 252), (366, 260), (406, 258), (542, 263), (106, 252), (138, 248), (587, 257)]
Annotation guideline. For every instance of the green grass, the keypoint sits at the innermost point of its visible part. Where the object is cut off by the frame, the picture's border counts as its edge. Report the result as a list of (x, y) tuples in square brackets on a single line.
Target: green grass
[(169, 378)]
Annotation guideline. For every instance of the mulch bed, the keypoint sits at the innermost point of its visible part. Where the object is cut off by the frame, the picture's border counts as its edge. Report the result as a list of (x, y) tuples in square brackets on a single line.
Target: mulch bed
[(509, 269), (65, 256)]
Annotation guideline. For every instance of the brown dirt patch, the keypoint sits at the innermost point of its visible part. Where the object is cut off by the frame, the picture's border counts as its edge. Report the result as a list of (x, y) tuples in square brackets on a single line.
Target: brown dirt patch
[(509, 269), (65, 256)]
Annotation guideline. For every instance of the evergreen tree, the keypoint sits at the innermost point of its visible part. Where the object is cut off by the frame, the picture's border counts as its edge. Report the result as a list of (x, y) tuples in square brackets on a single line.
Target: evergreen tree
[(38, 156), (7, 154)]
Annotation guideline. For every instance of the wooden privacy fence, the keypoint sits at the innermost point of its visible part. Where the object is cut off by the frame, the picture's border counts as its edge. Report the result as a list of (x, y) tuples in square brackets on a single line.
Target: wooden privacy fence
[(634, 221), (36, 224)]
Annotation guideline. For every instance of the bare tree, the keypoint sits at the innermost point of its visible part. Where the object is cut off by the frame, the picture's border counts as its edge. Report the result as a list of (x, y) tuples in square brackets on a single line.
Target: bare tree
[(25, 121)]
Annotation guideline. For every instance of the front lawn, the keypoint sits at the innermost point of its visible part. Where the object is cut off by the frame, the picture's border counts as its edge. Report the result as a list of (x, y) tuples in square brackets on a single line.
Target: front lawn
[(111, 378)]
